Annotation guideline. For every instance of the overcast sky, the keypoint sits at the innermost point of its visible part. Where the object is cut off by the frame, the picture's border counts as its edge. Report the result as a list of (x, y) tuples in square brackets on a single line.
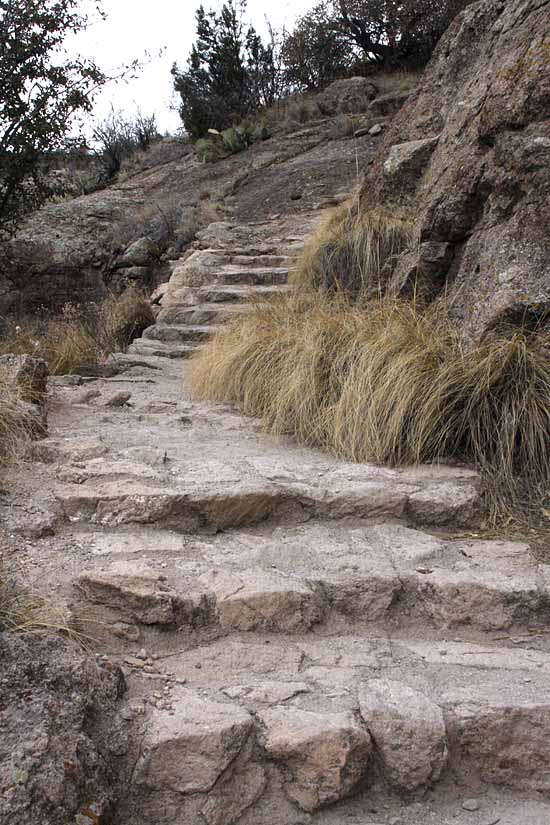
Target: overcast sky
[(134, 27)]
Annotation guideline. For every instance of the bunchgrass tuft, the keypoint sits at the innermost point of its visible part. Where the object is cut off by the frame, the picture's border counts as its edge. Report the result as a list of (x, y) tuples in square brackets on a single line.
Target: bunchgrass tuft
[(385, 382), (355, 251), (17, 421)]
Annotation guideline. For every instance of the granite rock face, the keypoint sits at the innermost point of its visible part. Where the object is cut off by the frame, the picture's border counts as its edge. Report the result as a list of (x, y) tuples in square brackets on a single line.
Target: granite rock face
[(61, 741), (482, 192)]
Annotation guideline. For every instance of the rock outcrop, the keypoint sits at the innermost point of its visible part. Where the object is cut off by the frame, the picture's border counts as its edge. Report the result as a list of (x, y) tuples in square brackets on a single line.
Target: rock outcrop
[(351, 95), (60, 739), (469, 154)]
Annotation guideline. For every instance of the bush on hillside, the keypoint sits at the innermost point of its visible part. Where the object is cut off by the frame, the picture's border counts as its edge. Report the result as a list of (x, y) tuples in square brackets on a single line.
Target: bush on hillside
[(317, 51), (84, 335), (118, 138), (338, 38), (41, 92), (229, 142), (230, 73)]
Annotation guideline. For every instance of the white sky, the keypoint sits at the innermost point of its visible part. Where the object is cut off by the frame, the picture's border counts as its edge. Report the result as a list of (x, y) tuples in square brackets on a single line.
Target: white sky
[(134, 27)]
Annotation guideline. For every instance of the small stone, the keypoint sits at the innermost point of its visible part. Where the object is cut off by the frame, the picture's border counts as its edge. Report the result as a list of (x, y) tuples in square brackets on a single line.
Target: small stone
[(141, 654), (87, 396), (375, 130), (133, 662), (119, 399), (471, 805)]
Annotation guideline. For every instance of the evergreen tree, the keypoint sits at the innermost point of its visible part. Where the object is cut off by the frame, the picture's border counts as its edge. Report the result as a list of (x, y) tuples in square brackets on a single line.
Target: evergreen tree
[(40, 93), (229, 74)]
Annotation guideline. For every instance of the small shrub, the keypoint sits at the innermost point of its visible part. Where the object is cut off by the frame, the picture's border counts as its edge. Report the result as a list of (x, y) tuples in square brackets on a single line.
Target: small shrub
[(389, 384), (119, 137), (355, 252), (123, 318), (229, 142), (82, 336)]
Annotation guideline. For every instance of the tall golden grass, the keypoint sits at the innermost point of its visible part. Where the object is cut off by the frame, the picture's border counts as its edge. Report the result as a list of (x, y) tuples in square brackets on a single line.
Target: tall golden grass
[(16, 421), (83, 335), (388, 383), (354, 251)]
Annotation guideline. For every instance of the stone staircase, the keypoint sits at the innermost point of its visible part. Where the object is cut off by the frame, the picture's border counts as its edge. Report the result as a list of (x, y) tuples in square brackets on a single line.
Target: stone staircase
[(304, 641), (232, 266)]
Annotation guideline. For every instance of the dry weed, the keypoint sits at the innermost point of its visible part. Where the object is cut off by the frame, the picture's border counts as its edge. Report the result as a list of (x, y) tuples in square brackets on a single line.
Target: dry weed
[(17, 421), (84, 335)]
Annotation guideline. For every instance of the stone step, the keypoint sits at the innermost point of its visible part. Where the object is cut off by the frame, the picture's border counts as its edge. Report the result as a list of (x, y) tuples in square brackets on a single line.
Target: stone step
[(297, 726), (215, 495), (256, 276), (201, 314), (216, 293), (309, 577), (144, 346), (182, 334)]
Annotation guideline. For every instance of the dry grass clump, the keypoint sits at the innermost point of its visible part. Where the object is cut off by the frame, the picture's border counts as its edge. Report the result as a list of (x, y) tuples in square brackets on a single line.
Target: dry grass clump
[(84, 335), (403, 80), (389, 384), (24, 610), (355, 251), (17, 421)]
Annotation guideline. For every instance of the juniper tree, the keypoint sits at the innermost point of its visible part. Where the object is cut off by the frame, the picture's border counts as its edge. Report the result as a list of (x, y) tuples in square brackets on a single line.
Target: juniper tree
[(230, 72)]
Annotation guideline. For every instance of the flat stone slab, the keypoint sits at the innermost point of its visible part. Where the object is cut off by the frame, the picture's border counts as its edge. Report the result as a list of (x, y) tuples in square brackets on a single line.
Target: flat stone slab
[(199, 492), (300, 578)]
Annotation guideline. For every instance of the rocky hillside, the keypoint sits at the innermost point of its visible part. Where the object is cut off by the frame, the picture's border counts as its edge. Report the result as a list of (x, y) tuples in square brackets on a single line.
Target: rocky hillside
[(470, 154), (70, 250)]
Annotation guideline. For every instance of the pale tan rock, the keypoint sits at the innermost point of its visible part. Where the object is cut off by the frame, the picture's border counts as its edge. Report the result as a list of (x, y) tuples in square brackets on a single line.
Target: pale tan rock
[(490, 584), (189, 751), (446, 503), (103, 468), (254, 600), (501, 728), (69, 449), (409, 159), (119, 399), (408, 731), (233, 795), (327, 754), (131, 589)]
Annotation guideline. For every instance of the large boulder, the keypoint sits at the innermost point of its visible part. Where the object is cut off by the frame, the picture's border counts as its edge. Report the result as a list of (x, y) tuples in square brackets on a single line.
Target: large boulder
[(351, 95), (469, 156), (61, 741)]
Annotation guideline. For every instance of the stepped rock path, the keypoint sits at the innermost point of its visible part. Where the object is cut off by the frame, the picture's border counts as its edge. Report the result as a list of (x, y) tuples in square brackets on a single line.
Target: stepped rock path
[(304, 640)]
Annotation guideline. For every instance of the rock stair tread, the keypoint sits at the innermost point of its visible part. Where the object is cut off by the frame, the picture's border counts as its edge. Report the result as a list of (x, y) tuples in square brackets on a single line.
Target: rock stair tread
[(301, 579), (310, 705), (161, 349)]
